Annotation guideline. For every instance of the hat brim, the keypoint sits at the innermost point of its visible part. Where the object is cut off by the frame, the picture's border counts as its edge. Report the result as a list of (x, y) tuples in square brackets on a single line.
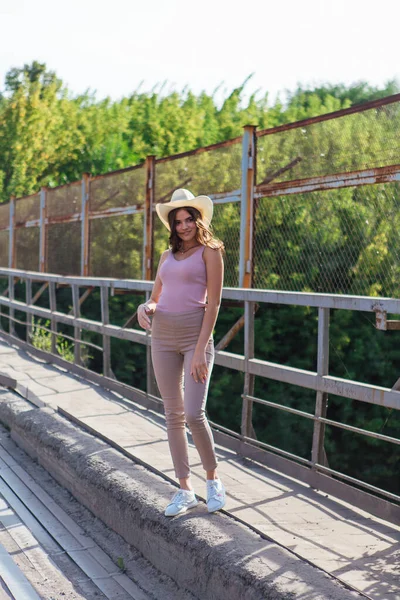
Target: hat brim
[(203, 204)]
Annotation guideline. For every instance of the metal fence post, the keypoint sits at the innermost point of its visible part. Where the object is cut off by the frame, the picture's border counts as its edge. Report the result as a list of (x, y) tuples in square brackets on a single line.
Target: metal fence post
[(77, 330), (11, 237), (148, 254), (248, 388), (85, 225), (321, 402), (43, 231), (105, 319), (11, 262), (246, 266), (147, 268), (29, 317), (247, 206), (53, 308)]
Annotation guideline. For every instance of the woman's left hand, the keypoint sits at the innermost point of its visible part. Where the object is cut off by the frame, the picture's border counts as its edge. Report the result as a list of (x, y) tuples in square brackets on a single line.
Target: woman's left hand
[(198, 368)]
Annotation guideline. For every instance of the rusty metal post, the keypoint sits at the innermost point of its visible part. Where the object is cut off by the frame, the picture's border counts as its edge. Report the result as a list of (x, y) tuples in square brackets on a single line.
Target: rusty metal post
[(105, 319), (248, 389), (246, 266), (321, 402), (11, 262), (11, 237), (53, 308), (148, 256), (147, 268), (77, 330), (29, 317), (11, 295), (85, 225), (43, 231), (247, 206)]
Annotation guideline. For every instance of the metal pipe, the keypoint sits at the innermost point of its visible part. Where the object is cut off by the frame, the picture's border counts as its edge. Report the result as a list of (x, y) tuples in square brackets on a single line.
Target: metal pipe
[(85, 225), (225, 144), (334, 181), (356, 108), (311, 417), (321, 401), (43, 232), (246, 209)]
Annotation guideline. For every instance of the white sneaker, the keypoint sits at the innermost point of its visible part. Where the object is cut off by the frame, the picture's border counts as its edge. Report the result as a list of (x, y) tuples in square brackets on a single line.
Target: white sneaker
[(181, 501), (215, 495)]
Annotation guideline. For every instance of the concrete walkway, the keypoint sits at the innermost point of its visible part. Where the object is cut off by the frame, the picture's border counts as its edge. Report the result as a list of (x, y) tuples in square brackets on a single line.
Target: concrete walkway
[(353, 546)]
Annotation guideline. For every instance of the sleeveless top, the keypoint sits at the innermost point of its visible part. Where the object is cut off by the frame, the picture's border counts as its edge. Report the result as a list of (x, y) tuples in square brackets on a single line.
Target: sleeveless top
[(184, 283)]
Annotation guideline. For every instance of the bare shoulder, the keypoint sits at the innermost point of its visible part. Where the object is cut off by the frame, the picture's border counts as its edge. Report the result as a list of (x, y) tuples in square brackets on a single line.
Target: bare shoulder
[(212, 255), (164, 256)]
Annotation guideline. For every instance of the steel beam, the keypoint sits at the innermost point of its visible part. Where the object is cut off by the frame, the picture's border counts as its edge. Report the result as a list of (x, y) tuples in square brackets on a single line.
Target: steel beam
[(247, 206), (85, 225), (321, 403)]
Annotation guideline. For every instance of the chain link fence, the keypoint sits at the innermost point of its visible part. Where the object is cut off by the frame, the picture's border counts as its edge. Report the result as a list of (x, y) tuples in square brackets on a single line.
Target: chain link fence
[(325, 216), (215, 172), (348, 143), (343, 241), (118, 190)]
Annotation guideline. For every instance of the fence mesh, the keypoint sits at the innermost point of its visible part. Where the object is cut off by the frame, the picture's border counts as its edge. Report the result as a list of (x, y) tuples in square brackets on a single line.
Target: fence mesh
[(4, 215), (226, 226), (27, 248), (64, 201), (160, 242), (352, 142), (116, 247), (118, 190), (333, 241), (211, 172), (4, 238), (27, 209), (64, 248)]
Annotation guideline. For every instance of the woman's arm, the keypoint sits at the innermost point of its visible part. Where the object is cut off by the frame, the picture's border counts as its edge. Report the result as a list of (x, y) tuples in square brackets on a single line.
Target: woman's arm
[(149, 307), (215, 277)]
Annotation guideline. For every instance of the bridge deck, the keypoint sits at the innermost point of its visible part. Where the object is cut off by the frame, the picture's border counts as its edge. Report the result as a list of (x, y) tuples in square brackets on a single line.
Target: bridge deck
[(355, 547)]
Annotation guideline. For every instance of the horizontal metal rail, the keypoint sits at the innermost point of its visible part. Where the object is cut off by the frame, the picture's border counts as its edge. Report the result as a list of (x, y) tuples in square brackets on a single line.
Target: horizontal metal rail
[(217, 146), (334, 301), (117, 172), (329, 182), (233, 196), (301, 413), (356, 108)]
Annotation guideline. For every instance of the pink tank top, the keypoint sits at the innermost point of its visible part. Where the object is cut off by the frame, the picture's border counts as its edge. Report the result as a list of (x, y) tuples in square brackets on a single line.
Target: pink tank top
[(184, 283)]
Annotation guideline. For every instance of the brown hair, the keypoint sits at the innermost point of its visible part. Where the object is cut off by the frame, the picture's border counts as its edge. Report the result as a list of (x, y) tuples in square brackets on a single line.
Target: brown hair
[(204, 234)]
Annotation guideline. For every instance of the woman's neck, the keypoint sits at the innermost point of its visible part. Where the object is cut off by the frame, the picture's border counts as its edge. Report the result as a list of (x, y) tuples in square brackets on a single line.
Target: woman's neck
[(182, 248)]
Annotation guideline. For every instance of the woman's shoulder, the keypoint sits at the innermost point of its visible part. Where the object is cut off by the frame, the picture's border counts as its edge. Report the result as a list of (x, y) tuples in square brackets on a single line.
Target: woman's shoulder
[(212, 250), (212, 254), (164, 256)]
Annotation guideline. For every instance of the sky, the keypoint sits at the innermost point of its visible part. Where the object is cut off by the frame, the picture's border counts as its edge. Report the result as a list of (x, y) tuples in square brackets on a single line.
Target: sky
[(113, 47)]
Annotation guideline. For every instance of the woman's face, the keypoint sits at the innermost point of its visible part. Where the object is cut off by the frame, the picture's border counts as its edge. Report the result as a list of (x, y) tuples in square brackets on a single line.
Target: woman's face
[(185, 226)]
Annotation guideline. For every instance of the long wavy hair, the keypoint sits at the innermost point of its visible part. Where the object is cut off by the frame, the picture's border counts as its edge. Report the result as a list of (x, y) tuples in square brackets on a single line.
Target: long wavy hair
[(204, 234)]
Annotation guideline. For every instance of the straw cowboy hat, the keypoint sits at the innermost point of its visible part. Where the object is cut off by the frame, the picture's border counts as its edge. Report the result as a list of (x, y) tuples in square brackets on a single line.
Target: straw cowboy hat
[(182, 198)]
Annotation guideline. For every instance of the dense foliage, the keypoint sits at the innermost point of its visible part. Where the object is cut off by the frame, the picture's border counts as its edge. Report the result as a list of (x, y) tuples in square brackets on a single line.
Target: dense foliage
[(49, 137)]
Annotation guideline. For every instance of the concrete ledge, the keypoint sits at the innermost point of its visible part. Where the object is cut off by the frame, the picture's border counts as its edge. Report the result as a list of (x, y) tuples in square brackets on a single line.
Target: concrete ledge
[(213, 556)]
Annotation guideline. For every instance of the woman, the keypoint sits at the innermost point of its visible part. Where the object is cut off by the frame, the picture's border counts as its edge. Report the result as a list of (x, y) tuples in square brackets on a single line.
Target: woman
[(182, 348)]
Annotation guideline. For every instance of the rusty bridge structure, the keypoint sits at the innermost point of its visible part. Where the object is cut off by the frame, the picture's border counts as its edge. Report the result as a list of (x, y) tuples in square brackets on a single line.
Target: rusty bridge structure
[(336, 175)]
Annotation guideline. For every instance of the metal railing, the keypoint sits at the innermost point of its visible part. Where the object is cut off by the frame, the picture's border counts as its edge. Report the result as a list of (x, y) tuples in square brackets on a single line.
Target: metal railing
[(313, 471)]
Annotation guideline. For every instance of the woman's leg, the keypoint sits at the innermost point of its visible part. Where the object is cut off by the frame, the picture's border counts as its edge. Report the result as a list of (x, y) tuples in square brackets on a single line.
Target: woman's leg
[(168, 369), (195, 398)]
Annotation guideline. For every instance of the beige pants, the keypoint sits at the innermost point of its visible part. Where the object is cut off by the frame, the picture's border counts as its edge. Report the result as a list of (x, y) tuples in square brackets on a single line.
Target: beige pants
[(173, 340)]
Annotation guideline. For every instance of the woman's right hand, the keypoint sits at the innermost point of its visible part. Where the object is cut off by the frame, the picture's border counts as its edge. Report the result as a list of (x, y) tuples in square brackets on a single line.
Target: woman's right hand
[(143, 314)]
